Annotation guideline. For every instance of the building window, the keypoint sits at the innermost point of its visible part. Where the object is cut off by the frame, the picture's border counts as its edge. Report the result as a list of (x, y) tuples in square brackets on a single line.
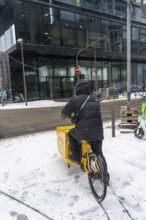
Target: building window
[(135, 40), (67, 29), (81, 32)]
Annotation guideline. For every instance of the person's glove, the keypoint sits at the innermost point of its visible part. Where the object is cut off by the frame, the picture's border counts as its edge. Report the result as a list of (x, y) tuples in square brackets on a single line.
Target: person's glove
[(73, 119)]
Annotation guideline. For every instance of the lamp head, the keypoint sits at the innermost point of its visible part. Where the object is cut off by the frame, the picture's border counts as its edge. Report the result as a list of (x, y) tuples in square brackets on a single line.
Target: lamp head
[(20, 40)]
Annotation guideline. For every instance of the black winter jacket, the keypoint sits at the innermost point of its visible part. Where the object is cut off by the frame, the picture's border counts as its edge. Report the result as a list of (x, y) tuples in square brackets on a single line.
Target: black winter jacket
[(89, 125)]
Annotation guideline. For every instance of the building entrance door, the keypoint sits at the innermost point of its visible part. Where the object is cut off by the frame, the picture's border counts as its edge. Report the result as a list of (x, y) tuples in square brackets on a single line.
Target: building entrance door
[(60, 87), (53, 87)]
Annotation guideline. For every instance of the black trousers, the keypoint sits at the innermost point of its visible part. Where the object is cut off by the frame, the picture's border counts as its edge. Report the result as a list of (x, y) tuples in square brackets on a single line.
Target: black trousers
[(75, 146)]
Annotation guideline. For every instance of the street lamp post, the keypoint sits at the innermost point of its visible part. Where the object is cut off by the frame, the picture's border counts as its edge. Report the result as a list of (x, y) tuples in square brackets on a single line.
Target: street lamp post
[(20, 41), (89, 45), (128, 54)]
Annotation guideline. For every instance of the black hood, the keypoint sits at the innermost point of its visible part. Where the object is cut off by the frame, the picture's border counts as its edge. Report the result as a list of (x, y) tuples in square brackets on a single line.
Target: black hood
[(82, 87)]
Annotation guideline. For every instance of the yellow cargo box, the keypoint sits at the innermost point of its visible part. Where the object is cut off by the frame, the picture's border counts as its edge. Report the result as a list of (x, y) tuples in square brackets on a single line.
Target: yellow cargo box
[(63, 142)]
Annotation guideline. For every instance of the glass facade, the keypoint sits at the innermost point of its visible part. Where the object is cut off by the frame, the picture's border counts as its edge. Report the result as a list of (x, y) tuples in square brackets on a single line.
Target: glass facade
[(54, 31), (113, 7), (7, 28)]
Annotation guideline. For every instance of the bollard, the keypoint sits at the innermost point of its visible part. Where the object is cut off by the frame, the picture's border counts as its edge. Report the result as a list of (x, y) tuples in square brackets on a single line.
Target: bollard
[(113, 121)]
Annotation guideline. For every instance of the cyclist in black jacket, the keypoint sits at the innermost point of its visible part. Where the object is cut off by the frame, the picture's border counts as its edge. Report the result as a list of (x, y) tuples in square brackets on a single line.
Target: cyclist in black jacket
[(88, 122)]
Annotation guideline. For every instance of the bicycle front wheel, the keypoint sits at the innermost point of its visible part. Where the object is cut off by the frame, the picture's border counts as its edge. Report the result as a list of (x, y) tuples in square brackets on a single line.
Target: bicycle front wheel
[(97, 178)]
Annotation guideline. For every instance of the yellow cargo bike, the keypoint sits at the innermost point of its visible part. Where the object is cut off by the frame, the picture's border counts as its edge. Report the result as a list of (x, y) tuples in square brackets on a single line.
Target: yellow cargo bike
[(90, 163)]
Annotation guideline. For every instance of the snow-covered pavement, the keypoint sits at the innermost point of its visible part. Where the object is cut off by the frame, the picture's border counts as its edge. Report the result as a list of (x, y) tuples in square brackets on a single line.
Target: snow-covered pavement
[(36, 184), (32, 104)]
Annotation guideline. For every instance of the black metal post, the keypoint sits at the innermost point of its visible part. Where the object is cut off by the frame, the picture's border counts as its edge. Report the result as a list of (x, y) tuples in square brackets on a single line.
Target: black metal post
[(24, 77), (113, 121)]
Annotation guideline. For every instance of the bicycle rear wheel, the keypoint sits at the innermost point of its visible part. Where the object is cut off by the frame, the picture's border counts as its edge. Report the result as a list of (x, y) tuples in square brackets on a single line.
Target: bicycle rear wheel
[(97, 177)]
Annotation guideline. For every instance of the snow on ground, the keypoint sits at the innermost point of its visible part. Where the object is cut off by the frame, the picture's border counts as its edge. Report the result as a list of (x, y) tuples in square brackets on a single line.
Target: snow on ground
[(32, 104), (51, 103), (42, 187)]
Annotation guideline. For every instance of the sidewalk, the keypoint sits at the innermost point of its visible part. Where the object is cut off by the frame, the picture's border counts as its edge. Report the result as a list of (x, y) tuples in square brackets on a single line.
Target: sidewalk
[(17, 119), (54, 103)]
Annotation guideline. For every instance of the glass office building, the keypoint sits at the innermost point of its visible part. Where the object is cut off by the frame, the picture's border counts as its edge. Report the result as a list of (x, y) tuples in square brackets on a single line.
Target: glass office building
[(54, 31)]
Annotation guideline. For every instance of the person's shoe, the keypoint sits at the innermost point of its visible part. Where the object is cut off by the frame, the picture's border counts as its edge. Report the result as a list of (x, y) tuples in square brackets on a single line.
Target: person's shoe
[(73, 159)]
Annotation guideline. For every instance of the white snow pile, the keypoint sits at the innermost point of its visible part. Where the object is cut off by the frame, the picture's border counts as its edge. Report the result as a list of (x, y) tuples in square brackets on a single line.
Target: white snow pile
[(32, 104)]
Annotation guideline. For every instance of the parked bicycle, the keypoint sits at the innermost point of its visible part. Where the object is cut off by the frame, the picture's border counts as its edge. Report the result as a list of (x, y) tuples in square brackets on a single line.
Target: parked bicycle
[(90, 163), (18, 97)]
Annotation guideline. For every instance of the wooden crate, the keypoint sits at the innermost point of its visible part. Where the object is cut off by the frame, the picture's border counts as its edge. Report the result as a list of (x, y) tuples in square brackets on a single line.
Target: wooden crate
[(126, 113), (129, 118)]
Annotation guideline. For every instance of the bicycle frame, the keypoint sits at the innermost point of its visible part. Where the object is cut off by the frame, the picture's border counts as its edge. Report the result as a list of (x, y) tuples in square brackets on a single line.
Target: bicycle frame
[(85, 160), (86, 150)]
